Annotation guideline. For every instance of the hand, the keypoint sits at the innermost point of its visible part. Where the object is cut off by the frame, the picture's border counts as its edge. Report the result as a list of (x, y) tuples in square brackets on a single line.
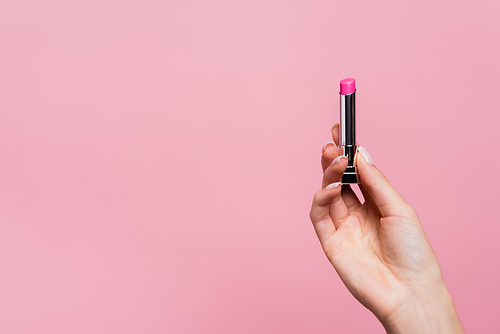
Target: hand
[(379, 248)]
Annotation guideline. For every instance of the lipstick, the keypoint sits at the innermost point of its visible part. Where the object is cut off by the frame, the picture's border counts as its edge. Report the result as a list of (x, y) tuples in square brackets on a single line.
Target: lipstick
[(347, 135)]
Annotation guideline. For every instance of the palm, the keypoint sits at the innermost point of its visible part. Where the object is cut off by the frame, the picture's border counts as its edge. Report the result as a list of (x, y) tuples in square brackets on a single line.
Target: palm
[(368, 255)]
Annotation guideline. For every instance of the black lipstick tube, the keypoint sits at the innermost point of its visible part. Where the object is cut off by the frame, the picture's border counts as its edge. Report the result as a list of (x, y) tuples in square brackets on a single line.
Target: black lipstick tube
[(347, 134)]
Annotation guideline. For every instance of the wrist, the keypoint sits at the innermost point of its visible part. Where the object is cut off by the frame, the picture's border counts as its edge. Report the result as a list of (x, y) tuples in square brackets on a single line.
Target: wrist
[(429, 310)]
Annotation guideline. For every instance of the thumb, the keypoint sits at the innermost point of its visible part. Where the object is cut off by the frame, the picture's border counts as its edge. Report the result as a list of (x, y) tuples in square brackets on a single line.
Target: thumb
[(385, 196)]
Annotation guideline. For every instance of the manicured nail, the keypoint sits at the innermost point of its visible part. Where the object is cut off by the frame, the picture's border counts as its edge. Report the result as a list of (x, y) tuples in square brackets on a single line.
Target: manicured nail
[(324, 147), (337, 160), (365, 154), (333, 185)]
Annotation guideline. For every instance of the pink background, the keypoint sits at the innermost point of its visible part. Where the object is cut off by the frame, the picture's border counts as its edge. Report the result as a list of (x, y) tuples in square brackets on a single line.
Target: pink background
[(158, 158)]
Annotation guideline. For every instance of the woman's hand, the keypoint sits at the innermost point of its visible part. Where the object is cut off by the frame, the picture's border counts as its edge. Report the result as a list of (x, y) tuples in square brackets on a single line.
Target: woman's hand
[(379, 248)]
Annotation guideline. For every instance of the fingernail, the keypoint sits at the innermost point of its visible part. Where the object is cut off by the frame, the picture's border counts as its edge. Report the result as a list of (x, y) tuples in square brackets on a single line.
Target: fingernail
[(365, 154), (337, 160), (333, 185), (324, 147)]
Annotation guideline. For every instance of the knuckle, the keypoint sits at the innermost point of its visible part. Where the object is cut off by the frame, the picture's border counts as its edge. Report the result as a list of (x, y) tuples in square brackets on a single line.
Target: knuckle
[(316, 197)]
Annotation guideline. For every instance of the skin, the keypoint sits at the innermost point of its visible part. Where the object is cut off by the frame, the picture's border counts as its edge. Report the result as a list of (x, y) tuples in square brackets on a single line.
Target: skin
[(380, 250)]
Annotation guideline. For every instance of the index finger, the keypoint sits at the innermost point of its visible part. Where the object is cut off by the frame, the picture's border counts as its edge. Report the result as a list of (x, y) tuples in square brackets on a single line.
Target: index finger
[(335, 133), (330, 151)]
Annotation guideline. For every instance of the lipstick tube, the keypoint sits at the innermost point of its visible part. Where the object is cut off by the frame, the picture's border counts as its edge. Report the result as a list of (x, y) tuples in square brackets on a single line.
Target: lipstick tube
[(347, 131)]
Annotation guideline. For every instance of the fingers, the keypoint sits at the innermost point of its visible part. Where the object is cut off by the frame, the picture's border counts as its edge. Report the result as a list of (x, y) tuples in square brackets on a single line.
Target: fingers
[(378, 188), (320, 211), (333, 173), (329, 210), (350, 199), (330, 150), (337, 208), (335, 133)]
